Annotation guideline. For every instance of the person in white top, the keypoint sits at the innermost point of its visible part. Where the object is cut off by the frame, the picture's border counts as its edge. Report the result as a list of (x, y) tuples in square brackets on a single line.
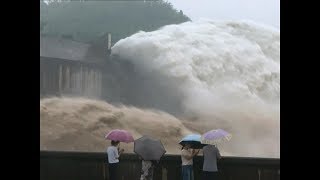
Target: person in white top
[(187, 155), (114, 153)]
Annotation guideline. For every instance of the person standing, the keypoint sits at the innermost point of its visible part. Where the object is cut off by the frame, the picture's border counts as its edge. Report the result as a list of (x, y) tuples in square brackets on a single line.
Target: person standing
[(211, 155), (114, 153), (187, 155)]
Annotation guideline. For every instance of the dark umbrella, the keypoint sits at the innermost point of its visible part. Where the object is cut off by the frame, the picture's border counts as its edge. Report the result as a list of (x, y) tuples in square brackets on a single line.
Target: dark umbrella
[(149, 148)]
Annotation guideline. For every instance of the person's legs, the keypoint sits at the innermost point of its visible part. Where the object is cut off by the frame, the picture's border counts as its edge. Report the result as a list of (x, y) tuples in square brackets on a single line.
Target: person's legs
[(208, 175), (214, 175), (191, 173), (186, 172), (113, 171), (150, 173), (204, 175)]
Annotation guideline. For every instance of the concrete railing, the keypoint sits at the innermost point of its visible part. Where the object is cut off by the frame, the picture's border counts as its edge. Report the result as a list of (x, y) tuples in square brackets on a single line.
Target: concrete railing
[(92, 166)]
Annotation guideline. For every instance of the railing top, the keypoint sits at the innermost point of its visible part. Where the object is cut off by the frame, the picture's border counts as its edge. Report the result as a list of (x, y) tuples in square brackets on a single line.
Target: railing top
[(53, 59), (169, 157)]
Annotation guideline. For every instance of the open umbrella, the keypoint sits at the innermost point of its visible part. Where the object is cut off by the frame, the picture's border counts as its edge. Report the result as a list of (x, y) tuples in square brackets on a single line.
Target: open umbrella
[(215, 136), (120, 135), (149, 148), (194, 140)]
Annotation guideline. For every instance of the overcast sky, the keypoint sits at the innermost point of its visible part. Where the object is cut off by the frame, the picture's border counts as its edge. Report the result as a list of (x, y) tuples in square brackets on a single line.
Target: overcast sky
[(260, 11)]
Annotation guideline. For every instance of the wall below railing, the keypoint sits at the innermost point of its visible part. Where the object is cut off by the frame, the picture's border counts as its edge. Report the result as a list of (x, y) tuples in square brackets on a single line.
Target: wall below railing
[(92, 166)]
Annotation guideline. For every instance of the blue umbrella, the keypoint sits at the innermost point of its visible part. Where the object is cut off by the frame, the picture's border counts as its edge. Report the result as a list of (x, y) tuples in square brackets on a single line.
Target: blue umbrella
[(194, 140)]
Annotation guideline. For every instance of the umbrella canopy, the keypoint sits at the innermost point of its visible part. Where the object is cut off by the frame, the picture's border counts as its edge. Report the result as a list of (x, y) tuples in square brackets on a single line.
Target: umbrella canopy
[(149, 148), (215, 136), (194, 140), (120, 135)]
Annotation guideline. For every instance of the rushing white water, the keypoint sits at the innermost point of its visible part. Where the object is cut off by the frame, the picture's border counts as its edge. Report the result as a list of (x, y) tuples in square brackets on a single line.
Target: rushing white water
[(227, 72)]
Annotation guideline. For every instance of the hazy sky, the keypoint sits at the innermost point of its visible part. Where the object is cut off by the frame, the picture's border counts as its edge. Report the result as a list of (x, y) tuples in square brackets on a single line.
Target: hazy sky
[(260, 11)]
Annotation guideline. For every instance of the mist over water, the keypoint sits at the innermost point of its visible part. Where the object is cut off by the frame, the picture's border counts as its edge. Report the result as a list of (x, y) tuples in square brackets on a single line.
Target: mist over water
[(208, 74), (227, 75)]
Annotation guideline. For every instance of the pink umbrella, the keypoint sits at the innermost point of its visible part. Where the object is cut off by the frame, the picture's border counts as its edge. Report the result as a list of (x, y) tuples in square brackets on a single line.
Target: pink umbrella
[(120, 135)]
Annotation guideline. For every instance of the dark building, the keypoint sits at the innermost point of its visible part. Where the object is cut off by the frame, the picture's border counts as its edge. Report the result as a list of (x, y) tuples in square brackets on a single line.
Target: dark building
[(70, 68)]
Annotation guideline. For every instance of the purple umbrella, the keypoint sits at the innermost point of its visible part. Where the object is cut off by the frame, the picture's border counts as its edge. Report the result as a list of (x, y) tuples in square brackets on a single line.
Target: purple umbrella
[(215, 136), (120, 135)]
